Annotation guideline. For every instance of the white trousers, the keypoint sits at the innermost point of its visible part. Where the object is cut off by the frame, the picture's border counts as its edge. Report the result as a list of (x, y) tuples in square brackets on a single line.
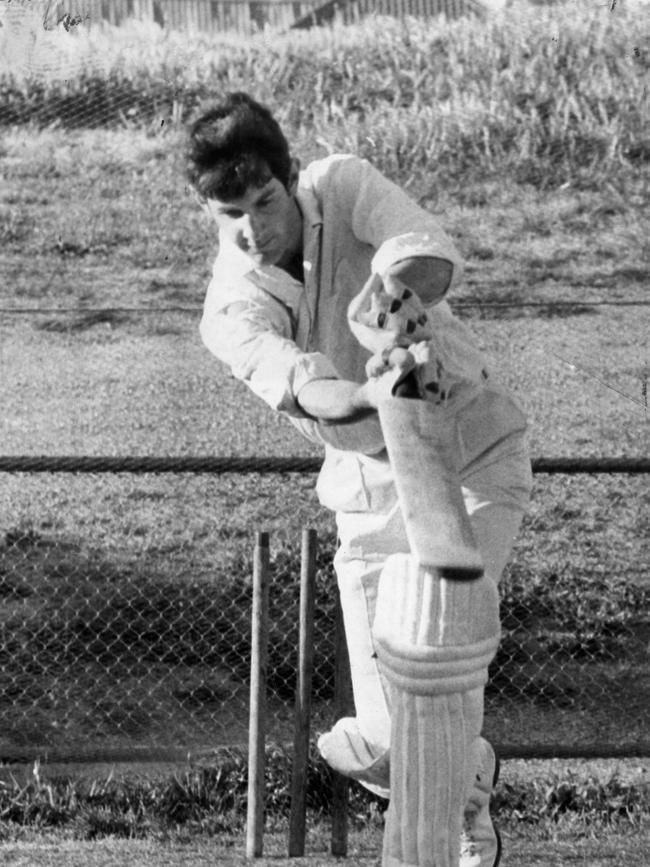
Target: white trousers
[(496, 487)]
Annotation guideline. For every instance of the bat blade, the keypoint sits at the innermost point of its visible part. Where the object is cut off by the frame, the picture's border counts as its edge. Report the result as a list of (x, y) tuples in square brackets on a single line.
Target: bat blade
[(418, 439)]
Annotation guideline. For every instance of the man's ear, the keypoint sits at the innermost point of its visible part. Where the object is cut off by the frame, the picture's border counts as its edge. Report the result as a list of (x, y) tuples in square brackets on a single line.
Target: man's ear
[(202, 202), (198, 198), (294, 173)]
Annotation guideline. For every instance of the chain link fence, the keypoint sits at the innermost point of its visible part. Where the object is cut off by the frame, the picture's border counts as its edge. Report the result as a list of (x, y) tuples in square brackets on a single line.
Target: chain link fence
[(125, 614), (126, 602)]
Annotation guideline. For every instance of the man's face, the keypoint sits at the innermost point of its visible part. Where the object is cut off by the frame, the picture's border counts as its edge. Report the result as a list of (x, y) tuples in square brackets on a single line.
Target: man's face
[(265, 222)]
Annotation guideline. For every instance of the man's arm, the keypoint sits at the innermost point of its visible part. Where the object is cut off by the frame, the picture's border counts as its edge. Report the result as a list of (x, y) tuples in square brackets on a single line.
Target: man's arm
[(335, 400), (253, 339), (340, 400), (340, 415), (410, 242)]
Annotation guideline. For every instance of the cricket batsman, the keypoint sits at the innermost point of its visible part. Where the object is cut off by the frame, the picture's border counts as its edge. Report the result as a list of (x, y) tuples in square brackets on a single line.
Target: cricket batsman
[(328, 299)]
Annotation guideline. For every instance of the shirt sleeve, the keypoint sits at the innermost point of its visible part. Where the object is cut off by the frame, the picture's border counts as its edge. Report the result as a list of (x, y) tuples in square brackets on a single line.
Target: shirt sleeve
[(251, 333), (383, 215), (253, 336)]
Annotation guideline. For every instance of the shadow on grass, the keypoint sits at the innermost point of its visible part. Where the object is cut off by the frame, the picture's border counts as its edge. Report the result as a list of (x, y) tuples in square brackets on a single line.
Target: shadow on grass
[(83, 322), (508, 305)]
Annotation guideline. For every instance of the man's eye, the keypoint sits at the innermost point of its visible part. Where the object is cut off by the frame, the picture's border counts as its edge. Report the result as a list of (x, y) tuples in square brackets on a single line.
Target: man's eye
[(233, 214)]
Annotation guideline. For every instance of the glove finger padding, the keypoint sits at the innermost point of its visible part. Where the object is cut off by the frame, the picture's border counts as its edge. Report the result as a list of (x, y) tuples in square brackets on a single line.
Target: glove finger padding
[(385, 315)]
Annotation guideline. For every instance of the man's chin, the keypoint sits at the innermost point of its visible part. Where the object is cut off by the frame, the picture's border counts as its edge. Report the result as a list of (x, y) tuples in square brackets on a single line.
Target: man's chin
[(263, 257)]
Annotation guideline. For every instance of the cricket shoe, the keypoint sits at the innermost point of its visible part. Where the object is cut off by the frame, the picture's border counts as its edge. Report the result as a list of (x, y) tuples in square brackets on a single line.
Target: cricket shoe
[(480, 843)]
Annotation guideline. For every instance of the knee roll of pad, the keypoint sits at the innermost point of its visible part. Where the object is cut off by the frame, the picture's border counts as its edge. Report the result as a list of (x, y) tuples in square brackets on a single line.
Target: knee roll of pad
[(434, 635)]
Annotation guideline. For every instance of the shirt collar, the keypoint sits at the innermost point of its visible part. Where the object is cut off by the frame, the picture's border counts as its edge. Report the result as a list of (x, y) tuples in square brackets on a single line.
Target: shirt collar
[(309, 205), (235, 264)]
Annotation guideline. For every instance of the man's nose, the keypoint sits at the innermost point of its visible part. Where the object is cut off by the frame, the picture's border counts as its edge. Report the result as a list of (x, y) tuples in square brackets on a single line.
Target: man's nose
[(251, 226)]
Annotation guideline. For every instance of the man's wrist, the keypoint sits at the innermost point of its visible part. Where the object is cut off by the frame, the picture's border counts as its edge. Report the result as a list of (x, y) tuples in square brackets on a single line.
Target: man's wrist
[(362, 398)]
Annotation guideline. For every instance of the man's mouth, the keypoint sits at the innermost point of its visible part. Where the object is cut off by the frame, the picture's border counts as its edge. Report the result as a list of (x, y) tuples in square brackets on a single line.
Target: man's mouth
[(260, 249)]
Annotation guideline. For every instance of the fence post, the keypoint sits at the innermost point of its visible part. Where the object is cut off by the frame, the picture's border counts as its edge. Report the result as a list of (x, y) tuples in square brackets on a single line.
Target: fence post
[(343, 706), (300, 764), (257, 715)]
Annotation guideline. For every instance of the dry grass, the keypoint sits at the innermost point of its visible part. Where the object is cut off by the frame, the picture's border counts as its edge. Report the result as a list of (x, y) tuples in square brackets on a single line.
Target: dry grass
[(602, 850), (113, 226), (421, 100)]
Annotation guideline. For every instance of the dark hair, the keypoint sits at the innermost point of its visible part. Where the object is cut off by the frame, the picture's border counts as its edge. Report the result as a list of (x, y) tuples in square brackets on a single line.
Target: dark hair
[(233, 145)]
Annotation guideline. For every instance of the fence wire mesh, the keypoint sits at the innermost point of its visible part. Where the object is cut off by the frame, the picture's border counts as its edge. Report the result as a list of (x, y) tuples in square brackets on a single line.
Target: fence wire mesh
[(126, 615), (126, 606)]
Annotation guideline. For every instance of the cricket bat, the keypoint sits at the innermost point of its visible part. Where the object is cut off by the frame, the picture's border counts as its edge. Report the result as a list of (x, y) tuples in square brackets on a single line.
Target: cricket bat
[(418, 440)]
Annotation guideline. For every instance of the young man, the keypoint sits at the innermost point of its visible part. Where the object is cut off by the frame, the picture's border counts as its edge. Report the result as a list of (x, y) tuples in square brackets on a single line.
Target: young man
[(295, 249)]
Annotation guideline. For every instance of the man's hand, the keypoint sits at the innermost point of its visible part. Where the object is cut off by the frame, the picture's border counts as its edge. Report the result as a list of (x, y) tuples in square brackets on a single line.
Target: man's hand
[(339, 400), (393, 358), (387, 371)]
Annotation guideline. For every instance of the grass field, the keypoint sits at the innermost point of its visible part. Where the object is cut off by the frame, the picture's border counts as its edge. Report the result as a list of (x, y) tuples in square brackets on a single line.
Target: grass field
[(114, 226), (104, 260), (549, 813), (559, 809), (608, 850)]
